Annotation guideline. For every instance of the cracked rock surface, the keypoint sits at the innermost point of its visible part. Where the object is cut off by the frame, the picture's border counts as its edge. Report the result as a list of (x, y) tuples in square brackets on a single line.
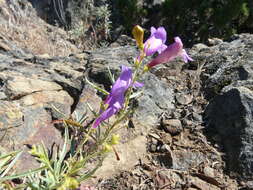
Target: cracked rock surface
[(32, 86)]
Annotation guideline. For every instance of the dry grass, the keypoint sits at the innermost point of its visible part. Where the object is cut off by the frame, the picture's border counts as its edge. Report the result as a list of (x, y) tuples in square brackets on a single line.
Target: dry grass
[(20, 24)]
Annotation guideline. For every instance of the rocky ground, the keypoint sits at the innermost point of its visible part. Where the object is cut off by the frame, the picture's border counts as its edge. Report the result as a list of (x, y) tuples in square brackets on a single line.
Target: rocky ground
[(192, 127), (180, 155)]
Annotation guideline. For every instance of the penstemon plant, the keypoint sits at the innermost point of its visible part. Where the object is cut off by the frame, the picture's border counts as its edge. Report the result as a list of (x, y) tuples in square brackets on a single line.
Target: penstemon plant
[(67, 168)]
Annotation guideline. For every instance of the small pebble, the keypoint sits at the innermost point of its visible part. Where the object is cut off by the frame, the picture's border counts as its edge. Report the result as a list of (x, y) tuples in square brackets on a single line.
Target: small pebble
[(209, 171), (197, 117), (152, 148), (165, 148), (154, 141), (184, 99), (172, 126)]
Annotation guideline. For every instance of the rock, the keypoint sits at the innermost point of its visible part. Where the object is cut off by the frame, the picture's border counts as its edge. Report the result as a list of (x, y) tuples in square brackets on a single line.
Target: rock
[(185, 159), (227, 63), (32, 32), (231, 115), (164, 160), (197, 117), (165, 177), (227, 83), (199, 47), (29, 92), (187, 123), (200, 184), (165, 148), (152, 148), (176, 114), (249, 185), (172, 126), (183, 99), (154, 135), (214, 41), (123, 40), (209, 172)]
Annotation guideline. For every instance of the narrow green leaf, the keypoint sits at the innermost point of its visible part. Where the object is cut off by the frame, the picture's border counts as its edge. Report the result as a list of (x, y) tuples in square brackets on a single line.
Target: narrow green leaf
[(63, 151), (86, 176), (11, 164), (23, 174), (96, 87), (111, 75)]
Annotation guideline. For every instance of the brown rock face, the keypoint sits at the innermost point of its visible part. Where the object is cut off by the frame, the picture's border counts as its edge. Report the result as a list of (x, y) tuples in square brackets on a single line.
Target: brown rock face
[(31, 87)]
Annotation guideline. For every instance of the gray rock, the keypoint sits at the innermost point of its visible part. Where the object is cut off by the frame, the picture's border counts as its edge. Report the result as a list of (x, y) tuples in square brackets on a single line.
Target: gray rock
[(226, 63), (165, 148), (197, 117), (152, 148), (185, 159), (183, 99), (231, 114), (199, 47), (228, 82), (214, 41)]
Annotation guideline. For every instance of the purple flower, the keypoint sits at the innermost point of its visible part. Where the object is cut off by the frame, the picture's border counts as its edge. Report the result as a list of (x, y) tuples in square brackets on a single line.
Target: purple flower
[(156, 41), (172, 51), (115, 100)]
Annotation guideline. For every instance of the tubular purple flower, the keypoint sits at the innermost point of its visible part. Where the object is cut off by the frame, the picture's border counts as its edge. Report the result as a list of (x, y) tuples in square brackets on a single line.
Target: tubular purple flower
[(172, 51), (156, 41), (115, 100)]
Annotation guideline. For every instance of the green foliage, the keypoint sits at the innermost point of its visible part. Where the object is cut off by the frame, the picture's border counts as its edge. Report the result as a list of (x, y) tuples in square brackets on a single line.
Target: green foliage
[(129, 13), (202, 19), (90, 21), (193, 20)]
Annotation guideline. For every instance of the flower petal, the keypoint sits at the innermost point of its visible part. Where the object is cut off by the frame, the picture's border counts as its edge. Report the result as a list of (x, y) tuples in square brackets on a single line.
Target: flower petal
[(152, 45), (161, 34), (138, 84), (105, 115), (185, 56), (162, 48), (155, 43), (115, 100), (121, 84), (172, 51)]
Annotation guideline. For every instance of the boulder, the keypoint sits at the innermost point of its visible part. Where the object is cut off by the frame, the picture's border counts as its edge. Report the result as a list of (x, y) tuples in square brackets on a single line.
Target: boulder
[(225, 63), (231, 114), (227, 84), (31, 86)]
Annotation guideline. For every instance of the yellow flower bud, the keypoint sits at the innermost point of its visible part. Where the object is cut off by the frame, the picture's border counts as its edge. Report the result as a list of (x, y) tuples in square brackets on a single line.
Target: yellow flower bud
[(138, 34), (69, 183), (36, 151), (107, 147), (115, 139), (33, 151), (146, 68)]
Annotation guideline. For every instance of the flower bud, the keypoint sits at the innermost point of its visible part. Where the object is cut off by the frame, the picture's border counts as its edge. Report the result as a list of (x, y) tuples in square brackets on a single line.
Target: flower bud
[(69, 183), (115, 139), (107, 147), (138, 34), (146, 68)]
